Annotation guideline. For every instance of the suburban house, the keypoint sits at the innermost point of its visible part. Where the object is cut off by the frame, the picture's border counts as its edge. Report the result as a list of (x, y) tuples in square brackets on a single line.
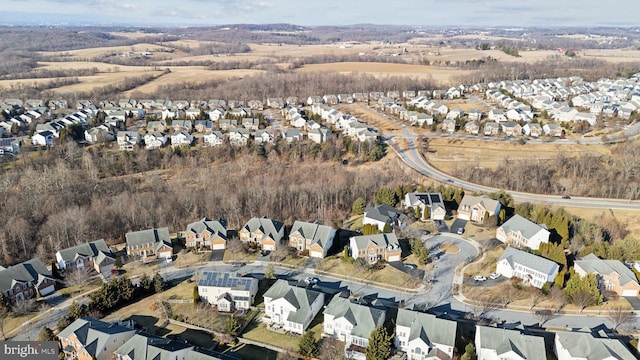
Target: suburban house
[(532, 129), (26, 280), (157, 125), (430, 201), (449, 125), (87, 339), (181, 138), (312, 237), (383, 215), (613, 275), (424, 336), (520, 232), (95, 254), (475, 208), (127, 140), (202, 126), (182, 125), (228, 292), (351, 323), (375, 247), (532, 269), (207, 234), (472, 127), (43, 138), (502, 344), (552, 130), (265, 232), (149, 347), (511, 128), (583, 345), (155, 140), (150, 242), (290, 307), (491, 128), (213, 138)]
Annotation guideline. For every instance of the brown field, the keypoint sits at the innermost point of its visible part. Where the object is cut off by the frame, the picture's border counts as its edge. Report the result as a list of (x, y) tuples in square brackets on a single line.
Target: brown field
[(448, 154), (102, 67), (614, 56), (99, 51), (87, 83)]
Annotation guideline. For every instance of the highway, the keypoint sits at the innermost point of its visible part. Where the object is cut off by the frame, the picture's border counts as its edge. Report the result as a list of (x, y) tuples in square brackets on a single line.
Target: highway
[(412, 158)]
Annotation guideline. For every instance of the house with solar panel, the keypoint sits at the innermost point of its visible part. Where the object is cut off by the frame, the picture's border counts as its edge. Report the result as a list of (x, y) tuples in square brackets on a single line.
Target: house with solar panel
[(94, 254), (227, 291), (314, 237), (424, 336), (263, 231), (87, 339), (291, 308), (351, 323)]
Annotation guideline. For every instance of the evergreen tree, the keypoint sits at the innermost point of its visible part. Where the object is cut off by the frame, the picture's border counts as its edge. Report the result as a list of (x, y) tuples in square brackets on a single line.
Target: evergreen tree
[(379, 344), (269, 272), (385, 196), (196, 296), (358, 206), (54, 270), (231, 326), (158, 283), (308, 346), (387, 229), (345, 253), (146, 284), (46, 334), (583, 291)]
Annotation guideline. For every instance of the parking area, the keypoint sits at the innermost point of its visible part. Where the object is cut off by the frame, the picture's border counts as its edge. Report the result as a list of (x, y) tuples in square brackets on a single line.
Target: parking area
[(457, 225), (485, 283)]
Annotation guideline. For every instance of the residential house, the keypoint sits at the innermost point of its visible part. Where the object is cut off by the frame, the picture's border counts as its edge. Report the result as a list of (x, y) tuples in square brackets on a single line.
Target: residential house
[(351, 323), (520, 232), (217, 114), (217, 104), (88, 339), (9, 146), (292, 135), (44, 138), (182, 125), (314, 100), (330, 99), (383, 215), (375, 247), (393, 94), (266, 136), (345, 98), (511, 128), (207, 234), (491, 128), (570, 345), (239, 136), (475, 115), (424, 336), (497, 115), (431, 201), (265, 232), (553, 130), (455, 113), (502, 344), (127, 140), (95, 254), (157, 125), (202, 126), (100, 134), (275, 103), (227, 124), (143, 346), (213, 138), (181, 138), (449, 125), (472, 127), (314, 237), (25, 280), (476, 208), (255, 105), (155, 140), (228, 292), (320, 135), (532, 269), (532, 129), (150, 242), (251, 123), (613, 275), (292, 101), (290, 307)]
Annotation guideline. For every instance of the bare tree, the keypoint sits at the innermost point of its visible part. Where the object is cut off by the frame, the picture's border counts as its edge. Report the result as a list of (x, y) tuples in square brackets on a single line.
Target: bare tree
[(23, 306), (4, 313), (559, 298), (535, 298), (330, 349), (582, 299), (543, 316), (78, 276), (619, 316)]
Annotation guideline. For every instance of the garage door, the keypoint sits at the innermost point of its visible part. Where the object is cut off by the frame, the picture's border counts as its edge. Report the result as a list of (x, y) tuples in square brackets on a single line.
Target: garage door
[(268, 247), (218, 246), (394, 258), (316, 254), (629, 292), (48, 290)]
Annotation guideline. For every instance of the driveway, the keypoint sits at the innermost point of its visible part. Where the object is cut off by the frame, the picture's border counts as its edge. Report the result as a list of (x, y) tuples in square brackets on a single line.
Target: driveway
[(458, 223), (633, 301), (489, 282), (411, 269)]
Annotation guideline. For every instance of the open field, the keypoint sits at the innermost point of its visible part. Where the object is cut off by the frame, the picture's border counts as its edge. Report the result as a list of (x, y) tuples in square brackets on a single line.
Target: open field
[(450, 154)]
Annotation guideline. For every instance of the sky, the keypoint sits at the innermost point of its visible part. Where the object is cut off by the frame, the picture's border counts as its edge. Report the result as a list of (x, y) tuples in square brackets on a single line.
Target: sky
[(507, 13)]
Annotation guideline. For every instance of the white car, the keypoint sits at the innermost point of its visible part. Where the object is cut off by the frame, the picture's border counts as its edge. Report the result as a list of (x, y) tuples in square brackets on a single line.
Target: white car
[(494, 276), (479, 278)]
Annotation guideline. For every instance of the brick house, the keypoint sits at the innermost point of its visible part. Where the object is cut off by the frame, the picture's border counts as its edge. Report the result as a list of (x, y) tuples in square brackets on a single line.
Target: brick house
[(95, 254), (313, 237), (612, 275), (265, 232), (149, 243), (375, 247), (207, 234), (88, 339), (26, 280)]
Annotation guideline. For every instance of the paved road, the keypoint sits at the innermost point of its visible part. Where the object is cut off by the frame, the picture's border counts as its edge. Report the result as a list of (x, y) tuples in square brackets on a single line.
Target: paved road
[(412, 158)]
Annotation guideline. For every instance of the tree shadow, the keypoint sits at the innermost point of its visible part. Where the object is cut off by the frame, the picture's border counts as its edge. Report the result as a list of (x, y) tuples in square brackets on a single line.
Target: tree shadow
[(148, 324)]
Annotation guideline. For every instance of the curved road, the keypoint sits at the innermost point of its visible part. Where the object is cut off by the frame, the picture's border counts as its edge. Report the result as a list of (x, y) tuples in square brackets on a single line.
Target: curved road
[(413, 158)]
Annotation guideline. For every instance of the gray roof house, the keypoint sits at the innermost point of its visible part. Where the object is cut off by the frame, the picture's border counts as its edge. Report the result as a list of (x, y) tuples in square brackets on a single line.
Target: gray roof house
[(532, 269), (612, 275), (210, 234), (88, 338), (94, 254), (227, 291), (149, 347), (581, 345), (25, 280), (382, 215), (474, 208), (494, 343), (522, 233), (432, 201), (351, 323), (264, 231), (422, 335), (375, 247), (290, 307), (150, 242), (313, 237)]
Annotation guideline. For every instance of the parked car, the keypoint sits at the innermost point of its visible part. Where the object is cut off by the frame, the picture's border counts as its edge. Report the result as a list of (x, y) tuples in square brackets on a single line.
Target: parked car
[(494, 276), (479, 278), (460, 231), (309, 280), (566, 197)]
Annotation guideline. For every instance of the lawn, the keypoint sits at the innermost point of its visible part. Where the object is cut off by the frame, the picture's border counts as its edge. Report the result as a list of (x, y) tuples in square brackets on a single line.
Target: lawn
[(487, 265), (71, 291), (388, 275), (353, 223), (239, 254), (257, 331)]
